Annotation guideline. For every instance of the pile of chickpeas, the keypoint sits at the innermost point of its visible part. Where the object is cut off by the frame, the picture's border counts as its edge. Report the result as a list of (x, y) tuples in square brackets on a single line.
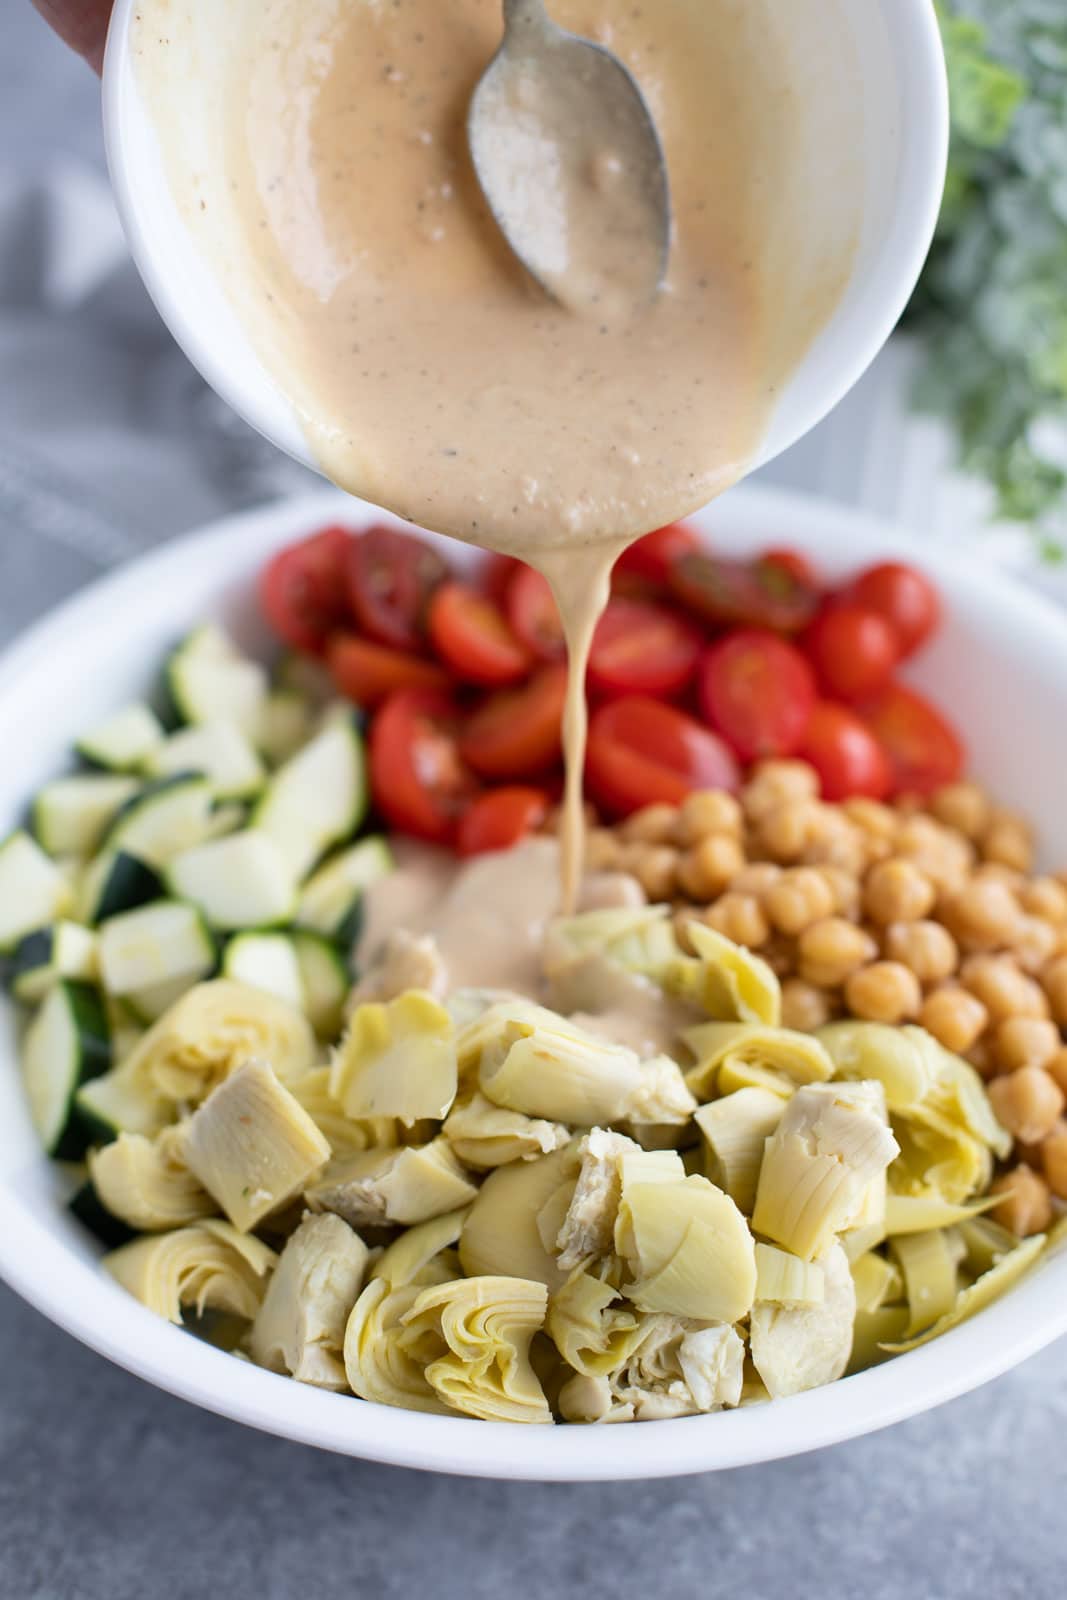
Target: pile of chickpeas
[(923, 911)]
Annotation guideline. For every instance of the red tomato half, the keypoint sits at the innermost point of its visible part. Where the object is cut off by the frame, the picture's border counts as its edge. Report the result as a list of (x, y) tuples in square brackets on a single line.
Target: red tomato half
[(303, 591), (495, 574), (845, 754), (902, 595), (853, 651), (653, 556), (391, 576), (418, 779), (500, 819), (366, 672), (755, 594), (640, 648), (758, 692), (642, 751), (793, 562), (518, 733), (533, 614), (924, 750), (470, 635)]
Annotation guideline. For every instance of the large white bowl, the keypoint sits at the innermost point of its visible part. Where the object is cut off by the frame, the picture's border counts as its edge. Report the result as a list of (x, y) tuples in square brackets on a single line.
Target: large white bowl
[(1000, 665)]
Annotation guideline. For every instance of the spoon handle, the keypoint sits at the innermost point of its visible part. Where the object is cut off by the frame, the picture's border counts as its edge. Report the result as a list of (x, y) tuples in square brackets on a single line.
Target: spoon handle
[(525, 14)]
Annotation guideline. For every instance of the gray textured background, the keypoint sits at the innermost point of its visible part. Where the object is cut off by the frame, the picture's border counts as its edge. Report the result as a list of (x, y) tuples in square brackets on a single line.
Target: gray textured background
[(110, 1490)]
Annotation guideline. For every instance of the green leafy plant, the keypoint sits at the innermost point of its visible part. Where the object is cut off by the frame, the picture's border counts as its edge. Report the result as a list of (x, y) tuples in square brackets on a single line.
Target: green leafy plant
[(992, 304)]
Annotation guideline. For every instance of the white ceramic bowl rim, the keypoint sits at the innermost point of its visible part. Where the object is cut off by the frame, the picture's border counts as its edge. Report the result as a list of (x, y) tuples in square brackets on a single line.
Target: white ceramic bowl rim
[(69, 1288)]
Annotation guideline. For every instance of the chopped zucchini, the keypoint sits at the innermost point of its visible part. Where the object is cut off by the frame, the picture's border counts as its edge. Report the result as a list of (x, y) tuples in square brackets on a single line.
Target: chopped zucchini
[(242, 881), (108, 1230), (265, 961), (167, 816), (65, 950), (122, 742), (285, 723), (33, 890), (318, 798), (325, 980), (217, 750), (331, 900), (115, 882), (209, 681), (71, 815), (153, 945), (66, 1045), (118, 1103)]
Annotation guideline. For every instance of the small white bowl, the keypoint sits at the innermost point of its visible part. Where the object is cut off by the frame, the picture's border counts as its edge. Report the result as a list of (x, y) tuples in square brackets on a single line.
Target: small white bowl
[(999, 666), (899, 78)]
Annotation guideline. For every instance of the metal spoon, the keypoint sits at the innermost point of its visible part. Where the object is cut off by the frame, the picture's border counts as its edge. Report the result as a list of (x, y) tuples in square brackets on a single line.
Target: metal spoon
[(570, 162)]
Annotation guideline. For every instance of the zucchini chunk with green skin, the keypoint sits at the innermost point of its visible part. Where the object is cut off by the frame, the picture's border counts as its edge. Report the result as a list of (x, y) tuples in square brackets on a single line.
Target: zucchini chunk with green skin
[(252, 1145), (65, 950), (207, 1267), (153, 945), (285, 724), (121, 1101), (331, 900), (166, 817), (324, 981), (33, 890), (397, 1060), (242, 881), (217, 750), (105, 1228), (318, 798), (146, 1006), (265, 961), (208, 680), (66, 1044), (300, 1327), (115, 882), (124, 741), (71, 815)]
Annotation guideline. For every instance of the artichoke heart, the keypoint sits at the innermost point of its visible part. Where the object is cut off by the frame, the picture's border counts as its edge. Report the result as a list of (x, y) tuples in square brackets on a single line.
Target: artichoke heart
[(724, 1048), (1003, 1275), (379, 1187), (938, 1159), (146, 1182), (211, 1030), (727, 982), (501, 1235), (927, 1264), (639, 939), (689, 1250), (380, 1364), (484, 1136), (804, 1346), (397, 1059), (588, 1226), (486, 1326), (252, 1145), (416, 1256), (592, 1334), (300, 1327), (897, 1058), (676, 1368), (735, 1131), (877, 1282), (905, 1213), (830, 1146), (347, 1136), (785, 1280), (206, 1267)]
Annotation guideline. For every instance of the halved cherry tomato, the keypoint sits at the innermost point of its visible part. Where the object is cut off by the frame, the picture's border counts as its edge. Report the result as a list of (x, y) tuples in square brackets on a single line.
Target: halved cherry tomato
[(755, 594), (640, 648), (758, 692), (653, 556), (642, 752), (366, 672), (852, 649), (303, 589), (923, 750), (472, 638), (533, 614), (391, 576), (495, 575), (418, 779), (499, 819), (518, 733), (845, 754), (902, 595), (794, 562)]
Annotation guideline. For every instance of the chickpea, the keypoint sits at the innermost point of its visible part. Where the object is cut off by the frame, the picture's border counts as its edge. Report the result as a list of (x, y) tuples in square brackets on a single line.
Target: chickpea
[(777, 783), (1054, 981), (845, 888), (873, 819), (944, 856), (834, 841), (651, 825), (954, 1017), (800, 897), (1026, 1102), (704, 812), (803, 1006), (831, 950), (755, 878), (785, 832), (780, 955), (963, 806), (926, 947), (885, 991), (1008, 841), (1045, 898), (1035, 944), (1054, 1160), (980, 1056), (1057, 1069), (1003, 988), (983, 915), (704, 871), (739, 917), (897, 891), (656, 868), (1026, 1207), (1025, 1042), (603, 850)]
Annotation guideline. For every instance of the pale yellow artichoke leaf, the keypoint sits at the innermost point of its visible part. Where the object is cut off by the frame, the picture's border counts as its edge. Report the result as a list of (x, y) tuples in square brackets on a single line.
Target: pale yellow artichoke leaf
[(146, 1182), (300, 1327), (485, 1136), (209, 1266), (785, 1280), (735, 1130), (982, 1293), (408, 1258), (728, 982), (927, 1263), (689, 1250), (407, 1185), (501, 1234), (397, 1059), (718, 1046), (795, 1348), (379, 1365), (487, 1324)]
